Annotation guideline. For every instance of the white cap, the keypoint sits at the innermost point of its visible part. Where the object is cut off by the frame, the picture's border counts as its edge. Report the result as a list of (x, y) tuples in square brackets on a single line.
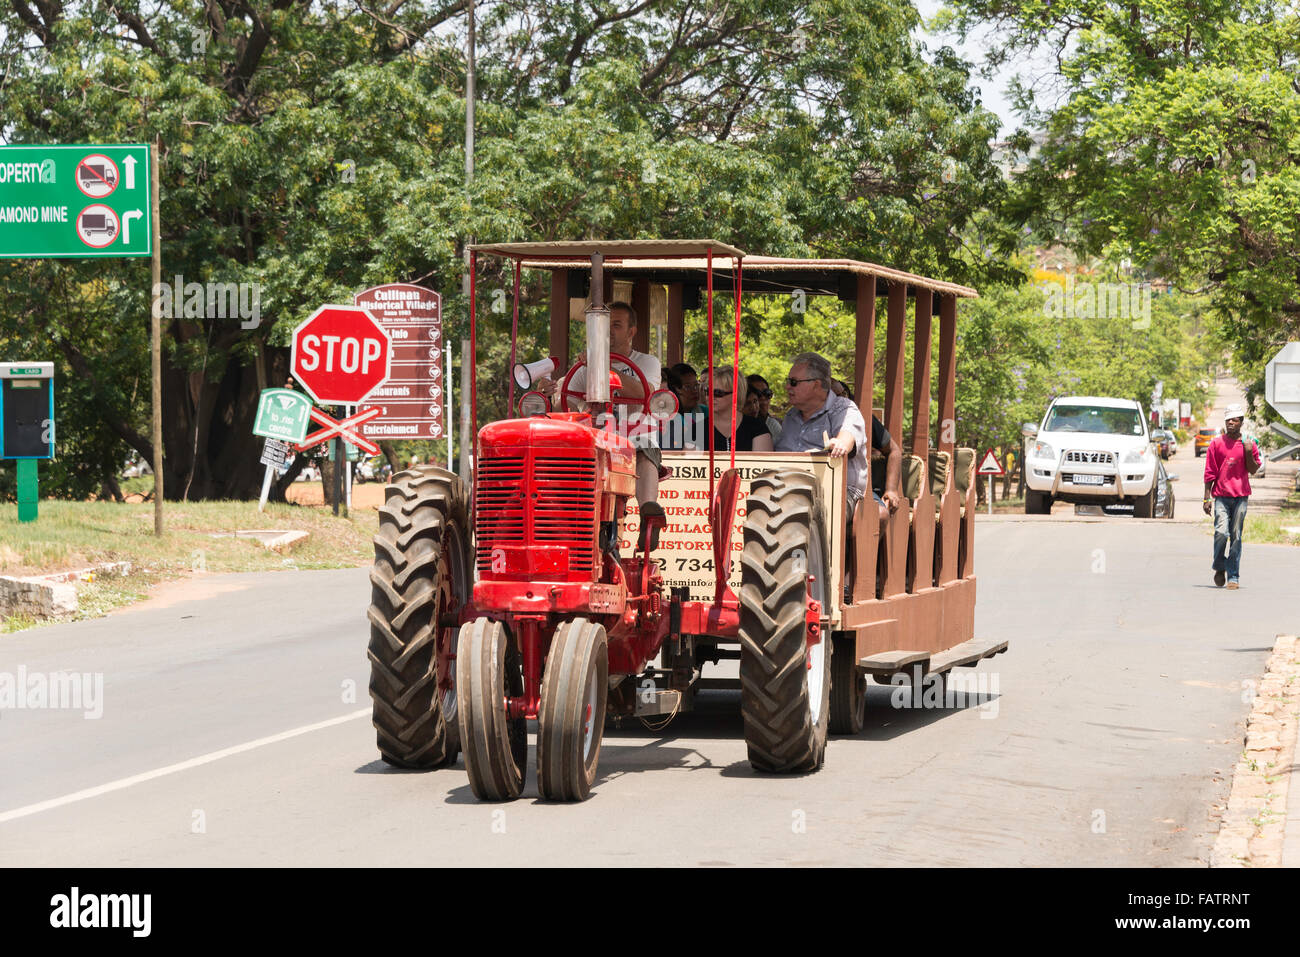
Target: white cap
[(1234, 411)]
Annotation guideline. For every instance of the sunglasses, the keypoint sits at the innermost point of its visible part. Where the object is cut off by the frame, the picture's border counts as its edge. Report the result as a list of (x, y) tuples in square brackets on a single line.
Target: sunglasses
[(792, 381), (719, 394), (762, 393)]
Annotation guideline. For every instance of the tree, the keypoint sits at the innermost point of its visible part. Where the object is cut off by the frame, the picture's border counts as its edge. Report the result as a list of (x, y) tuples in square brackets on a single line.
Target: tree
[(1173, 145), (310, 150)]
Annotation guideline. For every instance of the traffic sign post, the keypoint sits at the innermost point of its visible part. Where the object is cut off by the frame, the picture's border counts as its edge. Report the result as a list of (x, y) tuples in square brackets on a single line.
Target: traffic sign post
[(275, 456), (989, 465), (340, 355), (1291, 436), (75, 201), (412, 396), (346, 429), (282, 414), (340, 430), (1282, 382)]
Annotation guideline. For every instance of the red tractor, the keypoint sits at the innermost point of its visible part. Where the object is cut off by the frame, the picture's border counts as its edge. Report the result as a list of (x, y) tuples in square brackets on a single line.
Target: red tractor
[(507, 605)]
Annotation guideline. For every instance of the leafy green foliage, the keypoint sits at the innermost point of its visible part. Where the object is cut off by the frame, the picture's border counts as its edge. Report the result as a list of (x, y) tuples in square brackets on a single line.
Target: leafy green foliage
[(1172, 142)]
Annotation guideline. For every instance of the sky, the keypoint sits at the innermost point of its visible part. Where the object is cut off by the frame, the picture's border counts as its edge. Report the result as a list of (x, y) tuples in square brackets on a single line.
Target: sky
[(992, 92)]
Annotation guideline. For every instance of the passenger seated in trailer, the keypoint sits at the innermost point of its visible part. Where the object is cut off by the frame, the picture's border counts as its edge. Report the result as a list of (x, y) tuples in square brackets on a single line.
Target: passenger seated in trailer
[(762, 393), (815, 411), (685, 430), (681, 378), (751, 434)]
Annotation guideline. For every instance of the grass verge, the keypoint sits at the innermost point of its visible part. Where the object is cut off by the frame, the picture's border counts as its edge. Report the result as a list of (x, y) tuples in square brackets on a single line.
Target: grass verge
[(198, 539)]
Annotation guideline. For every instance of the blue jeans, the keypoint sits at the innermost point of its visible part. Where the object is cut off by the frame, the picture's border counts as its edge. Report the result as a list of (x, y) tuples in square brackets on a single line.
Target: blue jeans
[(1229, 520)]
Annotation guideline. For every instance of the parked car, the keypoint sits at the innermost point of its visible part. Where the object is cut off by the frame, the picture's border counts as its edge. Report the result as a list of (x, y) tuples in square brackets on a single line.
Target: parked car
[(1164, 442), (1203, 439), (1092, 450), (1164, 507)]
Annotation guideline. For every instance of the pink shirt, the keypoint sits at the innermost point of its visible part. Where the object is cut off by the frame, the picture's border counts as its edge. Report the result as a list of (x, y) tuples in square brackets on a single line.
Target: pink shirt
[(1225, 465)]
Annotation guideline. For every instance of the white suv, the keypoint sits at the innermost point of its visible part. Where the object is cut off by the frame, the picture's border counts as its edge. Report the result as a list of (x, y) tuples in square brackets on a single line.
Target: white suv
[(1091, 451)]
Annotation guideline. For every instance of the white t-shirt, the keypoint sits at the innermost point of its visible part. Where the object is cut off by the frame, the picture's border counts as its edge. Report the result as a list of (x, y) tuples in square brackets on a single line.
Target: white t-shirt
[(648, 365)]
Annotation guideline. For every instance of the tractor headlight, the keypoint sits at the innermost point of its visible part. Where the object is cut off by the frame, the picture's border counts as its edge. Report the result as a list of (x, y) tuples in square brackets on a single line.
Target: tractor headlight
[(534, 403), (663, 404), (1043, 451)]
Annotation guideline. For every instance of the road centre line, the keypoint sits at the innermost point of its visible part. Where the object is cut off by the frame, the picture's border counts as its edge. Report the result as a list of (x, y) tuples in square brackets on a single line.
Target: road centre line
[(202, 759)]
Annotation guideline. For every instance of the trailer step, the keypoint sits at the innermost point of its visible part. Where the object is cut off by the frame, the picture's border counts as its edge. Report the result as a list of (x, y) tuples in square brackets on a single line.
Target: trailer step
[(965, 655), (890, 662), (968, 654)]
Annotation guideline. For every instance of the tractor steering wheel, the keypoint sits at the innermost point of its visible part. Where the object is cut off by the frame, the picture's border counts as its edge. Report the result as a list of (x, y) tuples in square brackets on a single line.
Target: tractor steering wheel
[(644, 402)]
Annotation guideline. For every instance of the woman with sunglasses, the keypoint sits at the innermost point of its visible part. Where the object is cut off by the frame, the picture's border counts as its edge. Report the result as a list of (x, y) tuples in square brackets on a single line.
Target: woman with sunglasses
[(762, 392), (751, 433)]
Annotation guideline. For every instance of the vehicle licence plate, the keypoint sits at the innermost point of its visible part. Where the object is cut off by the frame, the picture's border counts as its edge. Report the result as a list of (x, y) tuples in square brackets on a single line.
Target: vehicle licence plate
[(1082, 479)]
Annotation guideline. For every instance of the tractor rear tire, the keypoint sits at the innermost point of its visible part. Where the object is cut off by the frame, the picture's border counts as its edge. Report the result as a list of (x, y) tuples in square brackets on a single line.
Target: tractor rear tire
[(423, 571), (848, 686), (785, 682), (488, 671), (571, 721)]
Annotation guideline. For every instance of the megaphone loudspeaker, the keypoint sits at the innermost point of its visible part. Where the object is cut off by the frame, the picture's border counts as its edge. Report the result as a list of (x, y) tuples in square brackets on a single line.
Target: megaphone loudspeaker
[(528, 373)]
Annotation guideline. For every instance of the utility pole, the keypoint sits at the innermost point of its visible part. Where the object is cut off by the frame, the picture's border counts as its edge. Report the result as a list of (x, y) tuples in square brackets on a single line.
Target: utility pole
[(466, 426)]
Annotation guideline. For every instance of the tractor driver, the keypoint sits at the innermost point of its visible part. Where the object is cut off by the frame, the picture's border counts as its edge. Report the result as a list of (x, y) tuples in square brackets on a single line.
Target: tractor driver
[(649, 462)]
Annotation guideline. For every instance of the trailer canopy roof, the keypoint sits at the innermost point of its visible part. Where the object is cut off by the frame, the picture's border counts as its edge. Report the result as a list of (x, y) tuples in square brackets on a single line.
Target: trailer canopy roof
[(685, 260), (582, 250), (761, 274)]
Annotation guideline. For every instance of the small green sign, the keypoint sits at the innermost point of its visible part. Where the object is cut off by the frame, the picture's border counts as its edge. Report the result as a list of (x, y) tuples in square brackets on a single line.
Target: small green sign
[(282, 414), (85, 201)]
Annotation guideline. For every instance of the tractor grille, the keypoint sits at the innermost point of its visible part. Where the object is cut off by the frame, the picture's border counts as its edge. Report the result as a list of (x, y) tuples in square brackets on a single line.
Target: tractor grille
[(499, 505), (563, 512), (1076, 457)]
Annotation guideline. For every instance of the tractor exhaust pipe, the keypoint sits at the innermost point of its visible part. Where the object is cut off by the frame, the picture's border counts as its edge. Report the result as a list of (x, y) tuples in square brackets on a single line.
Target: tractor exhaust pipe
[(597, 336)]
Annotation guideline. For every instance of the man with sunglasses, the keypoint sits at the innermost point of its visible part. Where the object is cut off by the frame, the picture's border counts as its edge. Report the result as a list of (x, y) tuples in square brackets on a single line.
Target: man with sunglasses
[(815, 411), (759, 387)]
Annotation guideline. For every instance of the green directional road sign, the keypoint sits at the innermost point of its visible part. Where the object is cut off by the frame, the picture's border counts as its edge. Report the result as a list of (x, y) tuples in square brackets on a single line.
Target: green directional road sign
[(74, 202), (282, 414)]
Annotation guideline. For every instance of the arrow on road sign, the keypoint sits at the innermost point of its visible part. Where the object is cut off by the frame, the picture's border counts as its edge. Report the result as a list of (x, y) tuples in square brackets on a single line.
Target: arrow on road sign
[(129, 215), (343, 428), (129, 163), (989, 465)]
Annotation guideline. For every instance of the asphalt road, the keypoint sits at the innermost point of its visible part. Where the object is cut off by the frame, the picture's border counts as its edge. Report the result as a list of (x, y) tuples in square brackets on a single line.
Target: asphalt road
[(235, 731)]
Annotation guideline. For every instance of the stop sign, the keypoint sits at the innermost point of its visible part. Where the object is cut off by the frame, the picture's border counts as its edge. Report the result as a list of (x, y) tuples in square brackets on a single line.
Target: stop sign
[(341, 354)]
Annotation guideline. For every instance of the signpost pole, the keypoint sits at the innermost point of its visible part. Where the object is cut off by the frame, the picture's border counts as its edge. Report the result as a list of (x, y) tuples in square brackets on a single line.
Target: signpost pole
[(155, 344), (340, 463), (451, 404), (347, 464), (266, 488)]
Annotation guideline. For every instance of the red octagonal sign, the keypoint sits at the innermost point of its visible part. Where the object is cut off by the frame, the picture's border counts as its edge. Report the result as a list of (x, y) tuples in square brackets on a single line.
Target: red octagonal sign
[(341, 355)]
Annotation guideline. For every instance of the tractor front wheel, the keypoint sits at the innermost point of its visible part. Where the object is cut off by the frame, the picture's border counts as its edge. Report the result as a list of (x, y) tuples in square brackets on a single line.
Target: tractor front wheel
[(785, 682), (488, 671), (422, 574), (571, 722)]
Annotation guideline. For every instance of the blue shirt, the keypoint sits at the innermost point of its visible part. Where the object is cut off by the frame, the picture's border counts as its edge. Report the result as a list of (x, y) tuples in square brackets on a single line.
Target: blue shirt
[(805, 435)]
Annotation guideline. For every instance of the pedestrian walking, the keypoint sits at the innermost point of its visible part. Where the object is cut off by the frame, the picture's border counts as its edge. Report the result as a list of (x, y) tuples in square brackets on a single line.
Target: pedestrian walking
[(1229, 463)]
